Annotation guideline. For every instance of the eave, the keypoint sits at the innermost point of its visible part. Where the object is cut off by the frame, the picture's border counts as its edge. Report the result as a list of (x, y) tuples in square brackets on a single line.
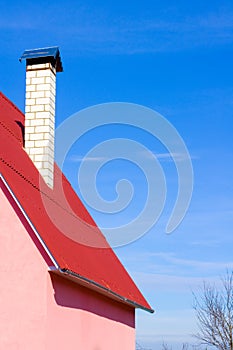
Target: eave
[(65, 273)]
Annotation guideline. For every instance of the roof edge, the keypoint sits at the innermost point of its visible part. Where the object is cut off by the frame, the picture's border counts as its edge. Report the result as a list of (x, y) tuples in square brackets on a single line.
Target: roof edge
[(68, 274), (76, 278), (46, 249)]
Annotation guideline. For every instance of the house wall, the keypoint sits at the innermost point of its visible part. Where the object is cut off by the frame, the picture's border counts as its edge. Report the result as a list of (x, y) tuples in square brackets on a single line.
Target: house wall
[(39, 310), (100, 323)]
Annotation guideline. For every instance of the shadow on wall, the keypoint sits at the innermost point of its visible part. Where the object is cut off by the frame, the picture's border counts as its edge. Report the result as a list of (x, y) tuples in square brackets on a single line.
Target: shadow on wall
[(71, 295)]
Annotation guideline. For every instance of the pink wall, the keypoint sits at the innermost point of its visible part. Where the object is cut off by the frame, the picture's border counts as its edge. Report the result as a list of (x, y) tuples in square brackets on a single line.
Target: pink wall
[(43, 311)]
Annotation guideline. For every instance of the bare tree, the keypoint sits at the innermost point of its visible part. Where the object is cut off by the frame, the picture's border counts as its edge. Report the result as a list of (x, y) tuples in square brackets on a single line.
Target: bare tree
[(214, 311), (139, 347), (165, 346)]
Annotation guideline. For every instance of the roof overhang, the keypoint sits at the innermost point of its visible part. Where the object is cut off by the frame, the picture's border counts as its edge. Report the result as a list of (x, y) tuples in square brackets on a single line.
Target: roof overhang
[(65, 273), (76, 278)]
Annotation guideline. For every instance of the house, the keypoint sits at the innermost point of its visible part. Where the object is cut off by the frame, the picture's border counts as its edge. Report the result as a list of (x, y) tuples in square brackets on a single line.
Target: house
[(56, 291)]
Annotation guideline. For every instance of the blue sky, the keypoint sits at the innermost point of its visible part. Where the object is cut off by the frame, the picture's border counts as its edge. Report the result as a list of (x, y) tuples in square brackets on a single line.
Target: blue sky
[(173, 57)]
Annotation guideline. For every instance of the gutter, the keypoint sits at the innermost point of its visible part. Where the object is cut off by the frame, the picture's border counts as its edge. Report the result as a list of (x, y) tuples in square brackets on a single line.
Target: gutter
[(90, 284)]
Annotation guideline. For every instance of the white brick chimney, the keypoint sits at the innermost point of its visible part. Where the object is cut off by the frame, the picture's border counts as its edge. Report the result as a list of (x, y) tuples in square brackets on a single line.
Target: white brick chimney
[(41, 68)]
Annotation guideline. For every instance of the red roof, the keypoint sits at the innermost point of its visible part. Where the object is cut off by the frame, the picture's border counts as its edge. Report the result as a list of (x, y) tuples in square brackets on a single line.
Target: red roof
[(98, 267)]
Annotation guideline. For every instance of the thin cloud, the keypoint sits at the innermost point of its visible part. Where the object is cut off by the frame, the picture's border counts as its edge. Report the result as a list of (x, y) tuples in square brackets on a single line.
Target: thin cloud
[(155, 35), (198, 264), (79, 159), (172, 283), (17, 25), (94, 32), (167, 156), (205, 243), (173, 269)]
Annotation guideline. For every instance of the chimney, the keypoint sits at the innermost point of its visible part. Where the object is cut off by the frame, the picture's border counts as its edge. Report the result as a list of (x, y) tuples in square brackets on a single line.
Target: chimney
[(41, 68)]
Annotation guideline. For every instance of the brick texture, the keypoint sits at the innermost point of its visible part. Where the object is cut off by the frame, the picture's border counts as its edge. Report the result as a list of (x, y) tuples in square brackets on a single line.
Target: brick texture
[(39, 118)]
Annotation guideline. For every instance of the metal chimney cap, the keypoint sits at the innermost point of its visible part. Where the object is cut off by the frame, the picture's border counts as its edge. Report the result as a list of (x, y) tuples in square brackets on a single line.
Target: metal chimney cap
[(42, 55)]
